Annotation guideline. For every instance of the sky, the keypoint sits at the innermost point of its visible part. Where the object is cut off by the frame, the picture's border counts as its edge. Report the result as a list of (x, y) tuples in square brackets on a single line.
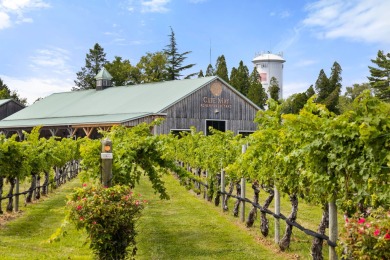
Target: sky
[(43, 43)]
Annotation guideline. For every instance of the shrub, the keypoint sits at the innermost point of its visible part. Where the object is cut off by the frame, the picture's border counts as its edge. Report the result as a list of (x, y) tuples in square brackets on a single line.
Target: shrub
[(367, 238), (108, 215)]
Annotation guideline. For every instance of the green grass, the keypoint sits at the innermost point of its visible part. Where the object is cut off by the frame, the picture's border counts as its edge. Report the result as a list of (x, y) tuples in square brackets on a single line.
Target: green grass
[(27, 237), (184, 227)]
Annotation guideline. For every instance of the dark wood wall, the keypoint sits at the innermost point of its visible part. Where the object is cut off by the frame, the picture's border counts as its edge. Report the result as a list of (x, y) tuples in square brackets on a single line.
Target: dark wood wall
[(9, 108), (214, 101)]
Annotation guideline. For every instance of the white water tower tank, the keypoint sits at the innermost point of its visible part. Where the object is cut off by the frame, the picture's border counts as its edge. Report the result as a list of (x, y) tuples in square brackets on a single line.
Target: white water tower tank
[(270, 65)]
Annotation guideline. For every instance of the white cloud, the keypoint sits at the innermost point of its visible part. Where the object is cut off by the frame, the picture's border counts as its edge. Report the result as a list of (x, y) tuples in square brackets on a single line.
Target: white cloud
[(305, 63), (15, 10), (294, 87), (155, 6), (37, 87), (51, 74), (362, 20), (5, 21), (53, 60)]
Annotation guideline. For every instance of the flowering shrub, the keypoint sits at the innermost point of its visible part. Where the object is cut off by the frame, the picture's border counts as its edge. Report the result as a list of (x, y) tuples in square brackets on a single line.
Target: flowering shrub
[(367, 238), (108, 215)]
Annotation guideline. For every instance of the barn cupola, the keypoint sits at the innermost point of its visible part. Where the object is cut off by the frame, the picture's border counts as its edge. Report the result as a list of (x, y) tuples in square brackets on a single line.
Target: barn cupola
[(103, 79)]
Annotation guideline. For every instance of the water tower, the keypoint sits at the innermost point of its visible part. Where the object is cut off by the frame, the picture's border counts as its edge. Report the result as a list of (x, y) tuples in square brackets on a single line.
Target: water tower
[(270, 65)]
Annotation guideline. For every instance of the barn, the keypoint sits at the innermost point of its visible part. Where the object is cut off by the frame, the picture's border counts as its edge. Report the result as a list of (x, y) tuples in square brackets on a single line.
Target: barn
[(201, 102), (9, 107)]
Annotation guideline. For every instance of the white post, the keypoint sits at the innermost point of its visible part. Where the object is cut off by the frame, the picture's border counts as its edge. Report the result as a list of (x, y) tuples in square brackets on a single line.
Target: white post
[(277, 212), (332, 229), (223, 188), (243, 187)]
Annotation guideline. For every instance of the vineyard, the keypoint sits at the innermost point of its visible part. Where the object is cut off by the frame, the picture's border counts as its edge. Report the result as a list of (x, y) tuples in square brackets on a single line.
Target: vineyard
[(337, 163)]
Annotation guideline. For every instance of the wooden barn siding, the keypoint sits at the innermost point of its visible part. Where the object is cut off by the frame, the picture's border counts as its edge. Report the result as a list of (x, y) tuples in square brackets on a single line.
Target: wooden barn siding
[(189, 112), (9, 108)]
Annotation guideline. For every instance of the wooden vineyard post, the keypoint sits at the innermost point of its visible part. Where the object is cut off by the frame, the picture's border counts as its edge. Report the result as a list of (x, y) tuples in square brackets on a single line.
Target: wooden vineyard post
[(206, 197), (17, 195), (242, 195), (106, 157), (277, 212), (223, 188), (332, 229)]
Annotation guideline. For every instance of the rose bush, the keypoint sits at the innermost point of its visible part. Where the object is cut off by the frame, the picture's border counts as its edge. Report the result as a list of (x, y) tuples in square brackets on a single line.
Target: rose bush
[(367, 238), (109, 216)]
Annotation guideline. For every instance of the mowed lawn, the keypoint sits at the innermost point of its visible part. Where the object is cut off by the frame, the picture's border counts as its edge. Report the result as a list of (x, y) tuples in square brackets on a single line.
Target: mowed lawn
[(184, 227)]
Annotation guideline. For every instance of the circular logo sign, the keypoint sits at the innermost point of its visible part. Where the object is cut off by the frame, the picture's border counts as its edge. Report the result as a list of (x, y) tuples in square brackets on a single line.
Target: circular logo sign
[(216, 88)]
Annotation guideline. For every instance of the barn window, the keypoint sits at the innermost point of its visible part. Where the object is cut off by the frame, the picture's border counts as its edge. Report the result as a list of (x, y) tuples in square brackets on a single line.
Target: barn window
[(216, 124)]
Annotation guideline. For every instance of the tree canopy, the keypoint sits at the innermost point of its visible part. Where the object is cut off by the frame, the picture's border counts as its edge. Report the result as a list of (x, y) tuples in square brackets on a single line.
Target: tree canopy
[(256, 92), (94, 62), (380, 76), (274, 89), (175, 59), (6, 93), (221, 68)]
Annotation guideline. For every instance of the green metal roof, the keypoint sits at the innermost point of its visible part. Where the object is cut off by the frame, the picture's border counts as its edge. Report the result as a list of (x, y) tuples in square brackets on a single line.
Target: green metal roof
[(103, 74), (112, 105)]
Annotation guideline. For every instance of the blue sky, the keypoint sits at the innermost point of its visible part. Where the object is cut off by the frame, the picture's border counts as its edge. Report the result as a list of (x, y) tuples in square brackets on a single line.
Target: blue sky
[(43, 43)]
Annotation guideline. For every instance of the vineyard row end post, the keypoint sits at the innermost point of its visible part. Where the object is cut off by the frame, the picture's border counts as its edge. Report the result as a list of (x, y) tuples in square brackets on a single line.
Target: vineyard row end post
[(223, 188), (242, 205), (106, 157)]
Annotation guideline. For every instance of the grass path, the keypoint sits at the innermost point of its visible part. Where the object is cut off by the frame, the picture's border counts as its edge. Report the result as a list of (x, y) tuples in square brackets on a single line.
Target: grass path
[(27, 236), (186, 227)]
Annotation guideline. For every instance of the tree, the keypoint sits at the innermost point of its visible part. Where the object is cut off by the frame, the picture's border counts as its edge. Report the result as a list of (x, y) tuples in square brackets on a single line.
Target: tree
[(153, 68), (94, 62), (328, 90), (175, 59), (6, 93), (274, 89), (256, 92), (221, 68), (310, 92), (120, 71), (200, 74), (345, 101), (239, 78), (210, 71), (380, 76)]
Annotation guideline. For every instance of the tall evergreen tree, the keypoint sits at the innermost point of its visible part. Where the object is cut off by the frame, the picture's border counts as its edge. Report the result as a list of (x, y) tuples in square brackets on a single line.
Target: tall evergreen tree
[(210, 71), (200, 74), (256, 92), (221, 68), (328, 90), (380, 76), (239, 78), (175, 59), (274, 89), (310, 92), (94, 62)]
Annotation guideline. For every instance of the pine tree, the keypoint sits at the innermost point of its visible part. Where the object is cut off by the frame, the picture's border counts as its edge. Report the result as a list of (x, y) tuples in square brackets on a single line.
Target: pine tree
[(175, 59), (221, 68), (210, 71), (256, 92), (380, 76), (200, 74), (328, 90), (94, 62), (310, 92), (239, 78), (273, 89)]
